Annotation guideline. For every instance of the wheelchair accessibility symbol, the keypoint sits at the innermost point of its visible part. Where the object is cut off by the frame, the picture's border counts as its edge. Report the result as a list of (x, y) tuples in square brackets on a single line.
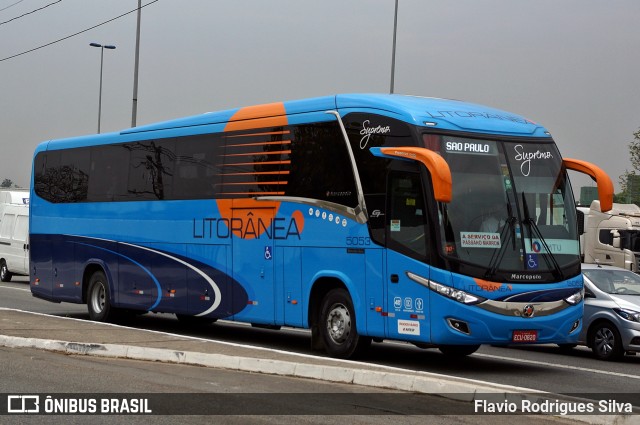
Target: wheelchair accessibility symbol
[(267, 253), (532, 261)]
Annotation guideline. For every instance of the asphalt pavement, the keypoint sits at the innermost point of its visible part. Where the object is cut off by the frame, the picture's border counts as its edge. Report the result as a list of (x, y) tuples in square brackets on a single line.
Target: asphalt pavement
[(20, 329)]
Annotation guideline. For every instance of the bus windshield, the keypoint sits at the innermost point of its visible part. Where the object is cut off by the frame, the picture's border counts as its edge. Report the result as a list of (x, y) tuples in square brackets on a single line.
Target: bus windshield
[(512, 208)]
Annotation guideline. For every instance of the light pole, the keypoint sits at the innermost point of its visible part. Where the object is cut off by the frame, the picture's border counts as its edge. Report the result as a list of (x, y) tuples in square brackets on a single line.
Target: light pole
[(102, 47), (134, 108), (393, 49)]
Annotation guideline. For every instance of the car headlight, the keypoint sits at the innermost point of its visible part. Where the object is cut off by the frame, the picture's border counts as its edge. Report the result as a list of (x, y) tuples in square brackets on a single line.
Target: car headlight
[(633, 316), (575, 298), (447, 291)]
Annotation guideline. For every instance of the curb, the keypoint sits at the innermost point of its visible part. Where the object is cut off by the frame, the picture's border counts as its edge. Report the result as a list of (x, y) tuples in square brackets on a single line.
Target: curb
[(421, 382)]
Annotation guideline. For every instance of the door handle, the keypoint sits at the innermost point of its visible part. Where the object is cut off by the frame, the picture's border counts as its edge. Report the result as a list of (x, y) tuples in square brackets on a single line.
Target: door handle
[(395, 278)]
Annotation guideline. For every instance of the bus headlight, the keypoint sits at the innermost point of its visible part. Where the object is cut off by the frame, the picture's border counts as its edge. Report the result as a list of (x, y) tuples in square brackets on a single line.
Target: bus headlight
[(447, 291), (575, 298)]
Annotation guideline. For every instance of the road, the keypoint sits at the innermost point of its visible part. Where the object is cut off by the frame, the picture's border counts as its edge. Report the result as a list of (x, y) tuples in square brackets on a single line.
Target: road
[(227, 391), (540, 368)]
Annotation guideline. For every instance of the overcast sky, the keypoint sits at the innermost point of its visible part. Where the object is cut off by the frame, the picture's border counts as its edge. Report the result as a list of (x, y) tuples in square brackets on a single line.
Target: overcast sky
[(570, 65)]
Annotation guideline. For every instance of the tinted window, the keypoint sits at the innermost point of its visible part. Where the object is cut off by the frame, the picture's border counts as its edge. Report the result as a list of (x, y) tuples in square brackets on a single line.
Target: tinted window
[(308, 161)]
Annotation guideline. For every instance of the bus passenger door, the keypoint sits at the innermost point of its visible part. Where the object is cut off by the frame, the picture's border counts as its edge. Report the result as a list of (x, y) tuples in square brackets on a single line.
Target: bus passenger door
[(407, 246), (253, 265)]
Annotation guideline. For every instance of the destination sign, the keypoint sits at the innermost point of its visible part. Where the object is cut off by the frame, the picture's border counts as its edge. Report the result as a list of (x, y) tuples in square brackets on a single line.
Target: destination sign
[(470, 147)]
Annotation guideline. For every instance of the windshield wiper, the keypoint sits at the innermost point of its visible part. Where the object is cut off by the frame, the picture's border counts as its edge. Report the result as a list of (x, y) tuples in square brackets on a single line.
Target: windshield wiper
[(550, 259), (497, 256)]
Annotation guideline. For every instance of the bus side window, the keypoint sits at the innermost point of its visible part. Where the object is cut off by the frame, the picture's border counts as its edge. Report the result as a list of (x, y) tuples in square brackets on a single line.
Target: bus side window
[(407, 215)]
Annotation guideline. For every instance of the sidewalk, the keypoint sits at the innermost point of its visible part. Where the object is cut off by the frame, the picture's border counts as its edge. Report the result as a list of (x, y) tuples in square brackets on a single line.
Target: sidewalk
[(19, 329)]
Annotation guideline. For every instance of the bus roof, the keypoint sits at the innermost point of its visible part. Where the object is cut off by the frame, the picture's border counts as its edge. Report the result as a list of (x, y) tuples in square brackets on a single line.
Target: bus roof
[(443, 114)]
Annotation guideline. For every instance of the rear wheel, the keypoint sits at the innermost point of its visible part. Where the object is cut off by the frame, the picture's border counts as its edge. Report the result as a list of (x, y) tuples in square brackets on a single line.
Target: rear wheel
[(5, 274), (605, 342), (98, 298), (337, 325)]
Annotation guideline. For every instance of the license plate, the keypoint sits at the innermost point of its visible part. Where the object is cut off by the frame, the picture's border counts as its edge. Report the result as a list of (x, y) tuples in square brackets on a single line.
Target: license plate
[(525, 336)]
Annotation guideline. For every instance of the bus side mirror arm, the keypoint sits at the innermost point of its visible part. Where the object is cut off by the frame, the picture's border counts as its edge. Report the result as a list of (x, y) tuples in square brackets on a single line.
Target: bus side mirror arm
[(602, 179), (437, 166)]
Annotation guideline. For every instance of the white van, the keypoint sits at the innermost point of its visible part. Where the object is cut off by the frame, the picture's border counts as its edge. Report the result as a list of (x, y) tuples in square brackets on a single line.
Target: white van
[(14, 233)]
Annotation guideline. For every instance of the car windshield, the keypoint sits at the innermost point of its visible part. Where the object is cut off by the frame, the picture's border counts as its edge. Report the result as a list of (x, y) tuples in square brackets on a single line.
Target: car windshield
[(617, 282), (512, 208)]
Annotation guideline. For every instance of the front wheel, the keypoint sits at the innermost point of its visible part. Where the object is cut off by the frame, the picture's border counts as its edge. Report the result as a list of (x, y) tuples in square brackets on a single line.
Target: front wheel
[(606, 343), (5, 274), (98, 298), (337, 325)]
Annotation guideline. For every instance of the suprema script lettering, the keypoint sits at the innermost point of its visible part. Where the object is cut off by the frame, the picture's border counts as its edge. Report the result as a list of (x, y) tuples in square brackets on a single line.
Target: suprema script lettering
[(525, 158), (367, 131)]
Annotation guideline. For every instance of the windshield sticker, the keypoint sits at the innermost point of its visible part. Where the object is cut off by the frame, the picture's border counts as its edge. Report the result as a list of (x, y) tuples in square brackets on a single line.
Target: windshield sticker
[(556, 246), (395, 226), (525, 158), (480, 240), (367, 131)]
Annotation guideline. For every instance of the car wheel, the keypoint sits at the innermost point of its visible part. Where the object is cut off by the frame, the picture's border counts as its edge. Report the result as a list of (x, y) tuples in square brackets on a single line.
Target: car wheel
[(5, 274), (337, 325), (606, 343)]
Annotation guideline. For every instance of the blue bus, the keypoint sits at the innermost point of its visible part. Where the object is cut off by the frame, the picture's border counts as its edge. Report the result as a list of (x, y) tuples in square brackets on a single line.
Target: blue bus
[(361, 217)]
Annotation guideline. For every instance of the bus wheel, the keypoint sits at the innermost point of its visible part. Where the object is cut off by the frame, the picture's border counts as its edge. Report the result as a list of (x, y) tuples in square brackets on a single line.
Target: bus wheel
[(5, 274), (98, 300), (338, 325), (458, 350)]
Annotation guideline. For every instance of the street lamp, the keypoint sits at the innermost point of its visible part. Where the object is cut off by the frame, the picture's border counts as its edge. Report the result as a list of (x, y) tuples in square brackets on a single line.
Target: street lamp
[(393, 49), (102, 47)]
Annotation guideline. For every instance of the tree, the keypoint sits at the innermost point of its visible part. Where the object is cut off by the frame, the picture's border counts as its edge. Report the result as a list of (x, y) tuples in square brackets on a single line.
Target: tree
[(6, 183), (630, 180)]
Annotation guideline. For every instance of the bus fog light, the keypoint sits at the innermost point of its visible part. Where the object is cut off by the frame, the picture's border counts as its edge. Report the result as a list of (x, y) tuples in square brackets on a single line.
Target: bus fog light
[(574, 326), (460, 326)]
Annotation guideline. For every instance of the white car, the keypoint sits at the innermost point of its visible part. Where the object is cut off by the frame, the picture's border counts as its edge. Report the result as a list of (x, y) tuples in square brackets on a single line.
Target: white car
[(611, 322)]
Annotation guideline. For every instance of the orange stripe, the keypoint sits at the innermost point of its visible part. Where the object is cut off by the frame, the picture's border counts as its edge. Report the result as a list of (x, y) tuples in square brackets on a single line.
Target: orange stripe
[(266, 133), (256, 163), (249, 183), (258, 116), (254, 174), (258, 153), (283, 142)]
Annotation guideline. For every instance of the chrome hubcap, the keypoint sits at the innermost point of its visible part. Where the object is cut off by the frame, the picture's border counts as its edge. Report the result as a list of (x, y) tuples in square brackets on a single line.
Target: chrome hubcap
[(604, 341), (98, 298), (339, 323)]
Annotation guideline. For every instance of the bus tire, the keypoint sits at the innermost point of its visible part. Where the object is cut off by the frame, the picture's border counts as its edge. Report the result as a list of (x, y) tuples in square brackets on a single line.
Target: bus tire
[(458, 350), (337, 323), (98, 298), (5, 274)]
